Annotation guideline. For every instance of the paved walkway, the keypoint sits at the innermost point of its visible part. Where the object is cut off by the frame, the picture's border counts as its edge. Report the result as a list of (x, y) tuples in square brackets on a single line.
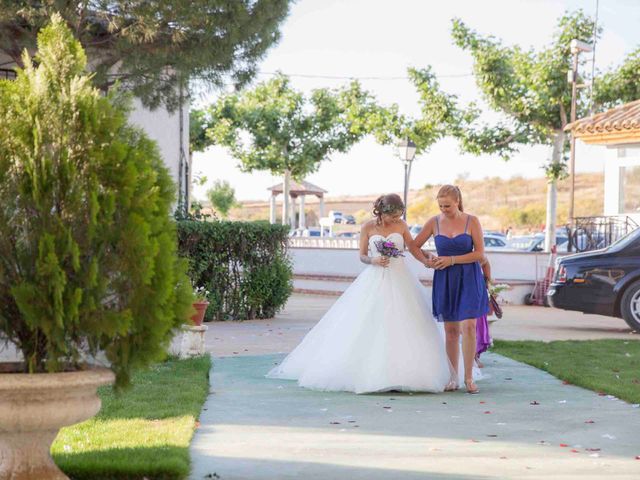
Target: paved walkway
[(524, 424)]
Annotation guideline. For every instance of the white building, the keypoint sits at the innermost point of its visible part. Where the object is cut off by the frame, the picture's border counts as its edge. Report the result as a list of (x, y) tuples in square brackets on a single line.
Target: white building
[(619, 130)]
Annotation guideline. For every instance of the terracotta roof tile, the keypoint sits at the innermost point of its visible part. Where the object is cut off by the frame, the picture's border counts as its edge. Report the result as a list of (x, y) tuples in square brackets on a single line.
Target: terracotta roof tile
[(618, 120)]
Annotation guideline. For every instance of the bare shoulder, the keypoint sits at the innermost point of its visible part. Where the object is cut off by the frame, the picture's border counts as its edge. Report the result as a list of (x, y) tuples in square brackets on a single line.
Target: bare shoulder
[(367, 226), (431, 221)]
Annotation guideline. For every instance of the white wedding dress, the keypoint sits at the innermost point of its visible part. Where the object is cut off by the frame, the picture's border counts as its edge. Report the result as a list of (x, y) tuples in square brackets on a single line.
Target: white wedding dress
[(380, 335)]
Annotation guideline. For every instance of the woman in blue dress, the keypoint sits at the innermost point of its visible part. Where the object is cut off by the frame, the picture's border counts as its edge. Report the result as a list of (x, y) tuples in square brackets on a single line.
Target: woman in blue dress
[(459, 290)]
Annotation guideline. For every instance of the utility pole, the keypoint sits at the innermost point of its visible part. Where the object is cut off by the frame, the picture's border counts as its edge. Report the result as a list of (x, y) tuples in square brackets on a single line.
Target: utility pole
[(577, 46)]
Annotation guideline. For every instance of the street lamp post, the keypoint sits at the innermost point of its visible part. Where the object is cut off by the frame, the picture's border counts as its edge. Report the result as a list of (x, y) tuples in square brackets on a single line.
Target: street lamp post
[(577, 46), (406, 152)]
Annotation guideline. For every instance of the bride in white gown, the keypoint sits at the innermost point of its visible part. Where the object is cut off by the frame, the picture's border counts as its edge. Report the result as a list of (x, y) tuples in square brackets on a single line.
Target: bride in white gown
[(380, 334)]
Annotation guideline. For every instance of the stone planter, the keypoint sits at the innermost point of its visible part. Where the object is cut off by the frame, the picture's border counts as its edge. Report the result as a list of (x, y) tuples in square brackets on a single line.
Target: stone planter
[(33, 407)]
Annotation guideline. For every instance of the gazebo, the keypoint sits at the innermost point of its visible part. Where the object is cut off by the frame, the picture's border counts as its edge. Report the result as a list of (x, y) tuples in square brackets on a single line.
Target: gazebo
[(296, 189)]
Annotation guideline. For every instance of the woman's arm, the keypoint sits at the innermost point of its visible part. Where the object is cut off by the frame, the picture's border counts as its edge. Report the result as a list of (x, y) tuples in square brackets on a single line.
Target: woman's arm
[(478, 248), (364, 248), (413, 248), (486, 269)]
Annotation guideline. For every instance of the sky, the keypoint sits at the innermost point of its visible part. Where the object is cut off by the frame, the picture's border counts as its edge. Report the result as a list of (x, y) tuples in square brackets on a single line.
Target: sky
[(381, 39)]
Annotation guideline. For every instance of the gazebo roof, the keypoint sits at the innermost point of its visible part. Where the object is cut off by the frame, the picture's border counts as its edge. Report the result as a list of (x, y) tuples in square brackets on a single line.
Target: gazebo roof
[(618, 125), (298, 188)]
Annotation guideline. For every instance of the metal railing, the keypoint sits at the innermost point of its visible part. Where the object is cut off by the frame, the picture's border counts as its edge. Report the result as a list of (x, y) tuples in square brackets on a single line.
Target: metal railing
[(7, 74), (593, 233), (324, 242)]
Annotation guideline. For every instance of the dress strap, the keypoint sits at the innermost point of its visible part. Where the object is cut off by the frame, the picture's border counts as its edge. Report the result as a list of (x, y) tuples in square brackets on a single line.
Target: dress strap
[(467, 224), (437, 226)]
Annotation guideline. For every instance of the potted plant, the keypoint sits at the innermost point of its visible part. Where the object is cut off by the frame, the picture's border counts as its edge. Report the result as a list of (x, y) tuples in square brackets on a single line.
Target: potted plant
[(200, 304), (88, 266)]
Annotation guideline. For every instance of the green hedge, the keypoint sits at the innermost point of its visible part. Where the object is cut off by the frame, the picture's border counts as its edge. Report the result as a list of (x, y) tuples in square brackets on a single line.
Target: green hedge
[(243, 264)]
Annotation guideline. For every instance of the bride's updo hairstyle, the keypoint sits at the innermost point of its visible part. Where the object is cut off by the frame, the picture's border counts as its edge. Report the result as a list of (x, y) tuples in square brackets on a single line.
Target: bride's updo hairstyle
[(453, 192), (387, 204)]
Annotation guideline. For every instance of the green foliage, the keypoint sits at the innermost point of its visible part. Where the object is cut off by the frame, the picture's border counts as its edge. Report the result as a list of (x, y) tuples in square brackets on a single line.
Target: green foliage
[(87, 249), (222, 197), (619, 85), (243, 264), (206, 40), (529, 88), (286, 131), (141, 433), (439, 115)]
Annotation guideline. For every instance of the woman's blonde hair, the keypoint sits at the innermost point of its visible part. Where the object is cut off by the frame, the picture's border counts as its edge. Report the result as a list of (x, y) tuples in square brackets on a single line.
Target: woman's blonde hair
[(453, 192)]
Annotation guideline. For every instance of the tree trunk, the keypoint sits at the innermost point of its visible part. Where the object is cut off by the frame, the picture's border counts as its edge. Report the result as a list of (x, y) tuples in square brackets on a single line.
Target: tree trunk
[(552, 193), (285, 194)]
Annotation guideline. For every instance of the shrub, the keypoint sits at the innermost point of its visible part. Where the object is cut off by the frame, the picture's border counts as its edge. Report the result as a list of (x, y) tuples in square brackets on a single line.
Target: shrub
[(243, 264), (87, 248)]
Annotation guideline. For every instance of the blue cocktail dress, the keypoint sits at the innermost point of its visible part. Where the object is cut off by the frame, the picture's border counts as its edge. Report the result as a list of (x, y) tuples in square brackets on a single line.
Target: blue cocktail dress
[(459, 291)]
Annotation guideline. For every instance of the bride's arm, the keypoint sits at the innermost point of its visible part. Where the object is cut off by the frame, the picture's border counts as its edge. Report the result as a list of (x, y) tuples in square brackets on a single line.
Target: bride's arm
[(413, 248), (364, 248)]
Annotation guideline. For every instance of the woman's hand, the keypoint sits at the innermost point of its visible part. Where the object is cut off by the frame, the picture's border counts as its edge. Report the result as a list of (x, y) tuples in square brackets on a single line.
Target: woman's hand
[(381, 260), (441, 263)]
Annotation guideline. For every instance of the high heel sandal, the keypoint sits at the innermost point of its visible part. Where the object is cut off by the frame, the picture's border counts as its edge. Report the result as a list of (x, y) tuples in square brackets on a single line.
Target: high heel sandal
[(472, 388), (452, 386)]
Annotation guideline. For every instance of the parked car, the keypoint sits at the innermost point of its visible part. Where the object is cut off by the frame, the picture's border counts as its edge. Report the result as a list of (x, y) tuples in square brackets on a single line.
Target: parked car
[(415, 229), (494, 241), (335, 216), (535, 243), (349, 219), (348, 235), (606, 282)]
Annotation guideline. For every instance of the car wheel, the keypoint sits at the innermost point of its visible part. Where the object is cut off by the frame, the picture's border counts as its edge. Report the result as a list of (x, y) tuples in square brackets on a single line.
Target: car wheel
[(630, 305), (528, 299)]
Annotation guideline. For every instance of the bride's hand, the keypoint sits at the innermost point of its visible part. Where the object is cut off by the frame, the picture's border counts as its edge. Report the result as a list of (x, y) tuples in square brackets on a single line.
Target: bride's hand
[(430, 262), (381, 260)]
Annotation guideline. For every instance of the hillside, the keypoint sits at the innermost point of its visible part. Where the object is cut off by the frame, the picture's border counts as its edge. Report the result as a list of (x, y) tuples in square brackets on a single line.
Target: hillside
[(517, 202)]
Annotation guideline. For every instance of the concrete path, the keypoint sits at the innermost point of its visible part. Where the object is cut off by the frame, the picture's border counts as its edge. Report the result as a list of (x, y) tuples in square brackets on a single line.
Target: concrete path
[(524, 424)]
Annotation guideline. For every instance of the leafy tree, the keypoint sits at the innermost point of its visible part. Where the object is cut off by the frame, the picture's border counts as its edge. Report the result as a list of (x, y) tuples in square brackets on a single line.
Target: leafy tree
[(222, 197), (88, 258), (439, 115), (619, 85), (276, 128), (154, 45), (530, 89)]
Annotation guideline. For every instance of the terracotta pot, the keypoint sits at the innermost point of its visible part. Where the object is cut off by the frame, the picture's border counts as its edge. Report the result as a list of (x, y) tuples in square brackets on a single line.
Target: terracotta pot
[(33, 407), (201, 308)]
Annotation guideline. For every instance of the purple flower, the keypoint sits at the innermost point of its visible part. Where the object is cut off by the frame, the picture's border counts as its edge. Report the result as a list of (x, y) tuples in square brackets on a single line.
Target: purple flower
[(388, 249)]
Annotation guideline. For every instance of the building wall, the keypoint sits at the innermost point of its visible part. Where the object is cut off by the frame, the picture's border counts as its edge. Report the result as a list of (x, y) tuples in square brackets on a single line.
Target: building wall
[(164, 127)]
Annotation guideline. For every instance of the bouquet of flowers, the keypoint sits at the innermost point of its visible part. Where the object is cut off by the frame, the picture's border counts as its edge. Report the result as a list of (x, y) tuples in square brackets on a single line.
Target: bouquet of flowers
[(496, 289), (388, 249)]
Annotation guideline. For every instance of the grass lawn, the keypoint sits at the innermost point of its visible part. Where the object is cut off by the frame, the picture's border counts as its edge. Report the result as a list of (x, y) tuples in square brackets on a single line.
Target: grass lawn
[(609, 366), (142, 433)]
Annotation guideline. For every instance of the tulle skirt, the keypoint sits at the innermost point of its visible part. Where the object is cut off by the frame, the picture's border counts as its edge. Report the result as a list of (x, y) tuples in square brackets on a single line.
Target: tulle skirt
[(380, 335)]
